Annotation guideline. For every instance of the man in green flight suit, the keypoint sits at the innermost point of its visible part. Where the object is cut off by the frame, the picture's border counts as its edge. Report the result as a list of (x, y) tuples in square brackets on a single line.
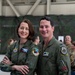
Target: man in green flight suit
[(54, 58)]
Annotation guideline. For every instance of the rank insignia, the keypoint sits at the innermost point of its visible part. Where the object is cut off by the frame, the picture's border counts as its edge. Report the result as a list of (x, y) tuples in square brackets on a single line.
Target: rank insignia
[(15, 50), (64, 50), (35, 51)]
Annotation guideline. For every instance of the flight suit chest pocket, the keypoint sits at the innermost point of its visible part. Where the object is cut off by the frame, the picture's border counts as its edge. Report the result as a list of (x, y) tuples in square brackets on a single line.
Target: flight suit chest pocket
[(23, 54), (49, 57), (19, 55), (46, 55)]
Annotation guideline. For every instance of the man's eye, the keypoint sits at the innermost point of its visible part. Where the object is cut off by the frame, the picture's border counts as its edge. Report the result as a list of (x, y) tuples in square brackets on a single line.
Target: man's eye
[(41, 26), (46, 26)]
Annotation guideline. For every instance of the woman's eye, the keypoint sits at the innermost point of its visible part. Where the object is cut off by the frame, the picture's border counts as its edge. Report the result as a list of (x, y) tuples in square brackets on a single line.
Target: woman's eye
[(27, 28)]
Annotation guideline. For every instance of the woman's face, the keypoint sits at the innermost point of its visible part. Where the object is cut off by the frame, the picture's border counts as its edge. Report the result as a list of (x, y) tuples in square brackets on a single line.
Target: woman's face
[(23, 30)]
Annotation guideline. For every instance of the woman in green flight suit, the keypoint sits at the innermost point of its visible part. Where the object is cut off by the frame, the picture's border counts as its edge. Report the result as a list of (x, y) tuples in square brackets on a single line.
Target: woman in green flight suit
[(22, 56)]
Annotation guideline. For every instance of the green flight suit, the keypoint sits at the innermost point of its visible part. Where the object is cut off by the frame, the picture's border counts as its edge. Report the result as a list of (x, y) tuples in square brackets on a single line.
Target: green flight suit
[(27, 55), (54, 59)]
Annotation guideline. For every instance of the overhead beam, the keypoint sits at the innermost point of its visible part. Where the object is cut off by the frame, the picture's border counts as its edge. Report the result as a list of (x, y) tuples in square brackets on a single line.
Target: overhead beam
[(48, 7), (0, 7), (33, 7), (13, 8)]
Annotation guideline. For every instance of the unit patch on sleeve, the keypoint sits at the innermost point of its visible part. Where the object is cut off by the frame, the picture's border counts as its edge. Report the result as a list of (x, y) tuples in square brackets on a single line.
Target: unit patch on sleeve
[(64, 50), (35, 51), (15, 50)]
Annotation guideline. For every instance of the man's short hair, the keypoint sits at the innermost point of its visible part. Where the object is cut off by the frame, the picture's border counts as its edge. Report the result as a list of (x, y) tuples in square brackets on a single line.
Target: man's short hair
[(48, 19)]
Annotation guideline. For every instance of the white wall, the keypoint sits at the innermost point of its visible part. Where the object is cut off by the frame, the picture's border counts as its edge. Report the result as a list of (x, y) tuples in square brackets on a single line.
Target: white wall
[(61, 0), (64, 9)]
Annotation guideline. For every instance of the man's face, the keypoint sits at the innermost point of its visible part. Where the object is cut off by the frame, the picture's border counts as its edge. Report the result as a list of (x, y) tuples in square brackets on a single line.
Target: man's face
[(46, 30)]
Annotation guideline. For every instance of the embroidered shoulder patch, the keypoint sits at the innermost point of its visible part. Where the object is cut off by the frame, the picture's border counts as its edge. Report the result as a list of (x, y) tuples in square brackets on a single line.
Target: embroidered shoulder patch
[(64, 50), (35, 51), (15, 50)]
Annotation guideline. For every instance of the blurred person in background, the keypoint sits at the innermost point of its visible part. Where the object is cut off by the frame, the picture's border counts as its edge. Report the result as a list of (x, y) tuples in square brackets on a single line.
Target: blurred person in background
[(71, 49), (10, 42), (68, 42), (36, 39), (72, 57)]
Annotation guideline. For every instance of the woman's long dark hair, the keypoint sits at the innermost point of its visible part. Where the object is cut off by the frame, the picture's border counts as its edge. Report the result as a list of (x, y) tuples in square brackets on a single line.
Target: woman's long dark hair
[(31, 28)]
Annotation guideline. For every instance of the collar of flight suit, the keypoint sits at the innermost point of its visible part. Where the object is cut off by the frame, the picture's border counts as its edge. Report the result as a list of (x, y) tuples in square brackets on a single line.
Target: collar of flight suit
[(27, 43), (51, 42)]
